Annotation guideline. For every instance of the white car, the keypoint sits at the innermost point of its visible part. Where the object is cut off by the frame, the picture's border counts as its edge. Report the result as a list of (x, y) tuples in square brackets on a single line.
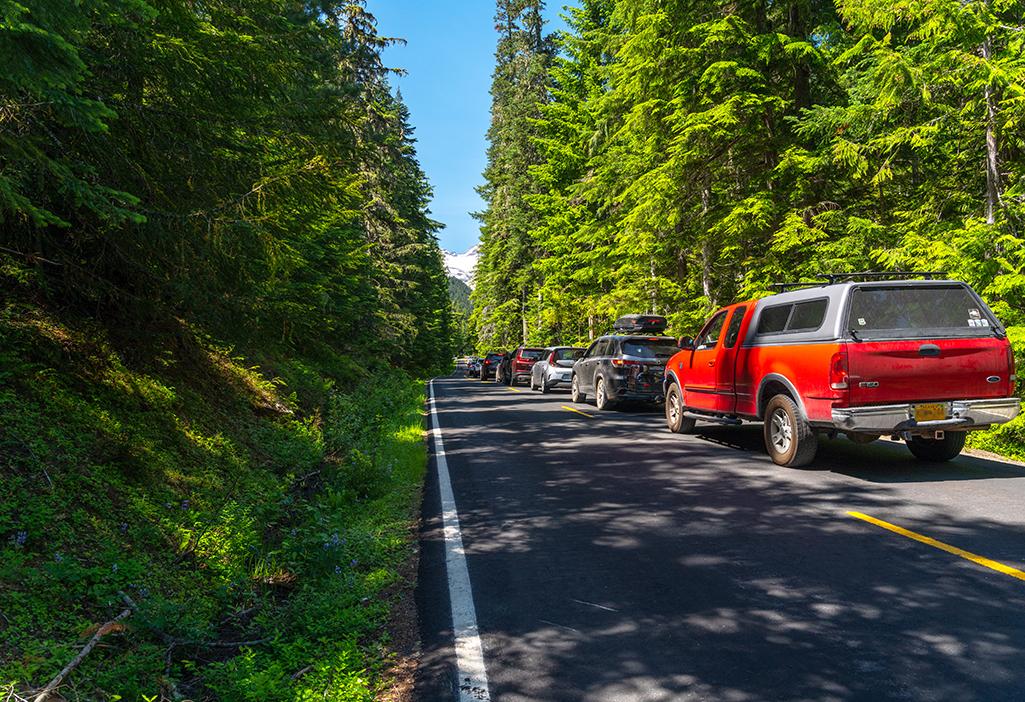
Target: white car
[(554, 368)]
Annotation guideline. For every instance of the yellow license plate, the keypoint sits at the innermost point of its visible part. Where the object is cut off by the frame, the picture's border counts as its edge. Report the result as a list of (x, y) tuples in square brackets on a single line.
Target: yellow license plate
[(930, 413)]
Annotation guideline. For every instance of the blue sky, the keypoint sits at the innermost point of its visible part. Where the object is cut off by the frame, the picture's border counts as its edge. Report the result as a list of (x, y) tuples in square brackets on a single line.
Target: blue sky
[(449, 58)]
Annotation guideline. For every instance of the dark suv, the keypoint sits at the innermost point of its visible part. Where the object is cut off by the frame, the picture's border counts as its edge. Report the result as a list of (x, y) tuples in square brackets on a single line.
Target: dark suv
[(489, 365), (517, 364), (624, 367)]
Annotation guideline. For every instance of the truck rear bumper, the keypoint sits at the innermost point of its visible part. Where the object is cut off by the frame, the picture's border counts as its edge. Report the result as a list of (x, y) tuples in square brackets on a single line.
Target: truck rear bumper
[(894, 419)]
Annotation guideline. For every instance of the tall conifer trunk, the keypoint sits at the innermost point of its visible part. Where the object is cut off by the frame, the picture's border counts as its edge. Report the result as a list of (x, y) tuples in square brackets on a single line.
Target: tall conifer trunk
[(802, 74), (992, 145)]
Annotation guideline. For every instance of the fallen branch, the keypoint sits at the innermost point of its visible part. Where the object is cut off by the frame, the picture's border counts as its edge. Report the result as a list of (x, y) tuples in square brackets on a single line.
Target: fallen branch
[(225, 644), (11, 696), (51, 686)]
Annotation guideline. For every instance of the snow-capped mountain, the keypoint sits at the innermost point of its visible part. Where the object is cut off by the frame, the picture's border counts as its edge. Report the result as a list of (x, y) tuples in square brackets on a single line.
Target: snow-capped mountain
[(461, 265)]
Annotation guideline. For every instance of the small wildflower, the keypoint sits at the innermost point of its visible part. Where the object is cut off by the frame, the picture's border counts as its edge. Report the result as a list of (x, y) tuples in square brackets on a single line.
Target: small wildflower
[(338, 570), (353, 563), (185, 504), (113, 568), (58, 557), (293, 533), (124, 527), (19, 539)]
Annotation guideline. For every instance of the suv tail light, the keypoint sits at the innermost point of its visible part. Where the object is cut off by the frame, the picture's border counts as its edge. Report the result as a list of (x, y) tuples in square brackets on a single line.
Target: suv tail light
[(838, 375), (619, 363)]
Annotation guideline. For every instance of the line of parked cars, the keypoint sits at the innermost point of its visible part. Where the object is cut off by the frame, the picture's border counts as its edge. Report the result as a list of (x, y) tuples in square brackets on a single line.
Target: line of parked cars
[(925, 361)]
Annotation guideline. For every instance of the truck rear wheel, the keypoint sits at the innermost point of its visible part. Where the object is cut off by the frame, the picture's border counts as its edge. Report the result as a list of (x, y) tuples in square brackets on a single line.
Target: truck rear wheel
[(938, 450), (677, 422), (788, 436)]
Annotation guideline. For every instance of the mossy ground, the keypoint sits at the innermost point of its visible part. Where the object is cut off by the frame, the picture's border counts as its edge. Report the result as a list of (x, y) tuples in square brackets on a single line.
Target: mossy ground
[(231, 500)]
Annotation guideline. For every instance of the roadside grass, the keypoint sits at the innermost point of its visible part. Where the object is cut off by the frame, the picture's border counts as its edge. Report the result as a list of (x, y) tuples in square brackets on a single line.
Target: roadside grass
[(256, 522), (1007, 440)]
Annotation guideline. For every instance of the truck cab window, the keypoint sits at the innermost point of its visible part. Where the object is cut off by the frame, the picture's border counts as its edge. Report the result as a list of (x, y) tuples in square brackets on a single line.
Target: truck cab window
[(733, 332), (710, 336)]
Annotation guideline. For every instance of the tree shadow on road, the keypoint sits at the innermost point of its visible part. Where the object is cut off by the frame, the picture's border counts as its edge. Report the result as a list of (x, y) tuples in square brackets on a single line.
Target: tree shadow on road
[(612, 560)]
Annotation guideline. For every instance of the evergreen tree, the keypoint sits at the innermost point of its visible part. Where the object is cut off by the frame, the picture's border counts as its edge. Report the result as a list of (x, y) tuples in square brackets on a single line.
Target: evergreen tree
[(244, 170), (505, 282), (573, 248)]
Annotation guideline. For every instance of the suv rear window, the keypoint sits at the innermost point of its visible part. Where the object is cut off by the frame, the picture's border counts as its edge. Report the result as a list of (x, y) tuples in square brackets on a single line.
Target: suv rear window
[(567, 354), (649, 348), (531, 354), (908, 311)]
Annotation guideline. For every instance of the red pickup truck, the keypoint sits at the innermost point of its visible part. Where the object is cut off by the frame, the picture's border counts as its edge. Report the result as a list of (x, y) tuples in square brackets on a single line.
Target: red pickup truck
[(921, 360)]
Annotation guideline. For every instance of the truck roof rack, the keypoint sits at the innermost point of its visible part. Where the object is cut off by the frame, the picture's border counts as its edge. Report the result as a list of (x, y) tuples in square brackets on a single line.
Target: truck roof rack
[(880, 275), (784, 287), (834, 278)]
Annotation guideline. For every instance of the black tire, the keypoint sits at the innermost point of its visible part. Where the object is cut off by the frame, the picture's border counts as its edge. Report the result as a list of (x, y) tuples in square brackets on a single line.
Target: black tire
[(601, 395), (789, 438), (532, 385), (577, 396), (544, 385), (938, 450), (677, 422)]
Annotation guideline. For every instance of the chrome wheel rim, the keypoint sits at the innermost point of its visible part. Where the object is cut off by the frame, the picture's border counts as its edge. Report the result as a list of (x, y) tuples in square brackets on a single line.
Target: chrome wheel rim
[(780, 432), (600, 392), (674, 409)]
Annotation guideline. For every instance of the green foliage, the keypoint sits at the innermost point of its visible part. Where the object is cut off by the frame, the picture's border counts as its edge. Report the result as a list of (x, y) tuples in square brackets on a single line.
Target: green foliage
[(689, 154), (216, 256), (504, 276), (245, 168), (201, 491)]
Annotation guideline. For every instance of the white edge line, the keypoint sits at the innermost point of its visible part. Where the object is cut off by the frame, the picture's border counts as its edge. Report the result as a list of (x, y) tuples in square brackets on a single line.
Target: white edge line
[(473, 678)]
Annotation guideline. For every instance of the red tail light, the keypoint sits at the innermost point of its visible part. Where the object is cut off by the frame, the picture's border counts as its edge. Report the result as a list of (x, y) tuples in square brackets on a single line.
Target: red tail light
[(1011, 372), (838, 377), (619, 362)]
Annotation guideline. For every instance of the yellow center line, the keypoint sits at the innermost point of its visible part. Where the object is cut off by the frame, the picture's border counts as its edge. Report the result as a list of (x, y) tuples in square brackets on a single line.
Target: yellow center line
[(967, 555), (513, 389), (583, 414)]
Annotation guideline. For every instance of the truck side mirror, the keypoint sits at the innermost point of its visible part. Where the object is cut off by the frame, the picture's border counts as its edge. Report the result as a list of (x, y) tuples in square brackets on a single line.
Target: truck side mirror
[(686, 343)]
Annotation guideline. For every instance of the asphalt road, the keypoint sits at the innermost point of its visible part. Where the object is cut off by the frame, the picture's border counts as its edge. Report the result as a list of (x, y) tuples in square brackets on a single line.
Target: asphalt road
[(612, 560)]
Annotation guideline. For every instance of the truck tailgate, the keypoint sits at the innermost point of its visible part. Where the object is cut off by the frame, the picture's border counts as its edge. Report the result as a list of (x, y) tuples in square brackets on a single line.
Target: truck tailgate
[(926, 370)]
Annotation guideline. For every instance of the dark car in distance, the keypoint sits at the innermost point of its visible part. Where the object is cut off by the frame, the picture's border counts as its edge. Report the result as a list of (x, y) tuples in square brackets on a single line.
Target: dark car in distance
[(625, 366), (517, 364), (489, 365)]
